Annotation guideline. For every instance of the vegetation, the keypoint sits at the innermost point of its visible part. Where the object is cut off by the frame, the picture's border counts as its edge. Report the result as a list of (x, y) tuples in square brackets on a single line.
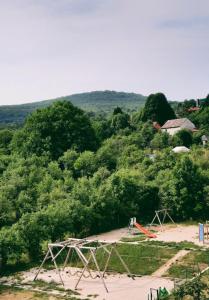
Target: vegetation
[(102, 102), (190, 265), (13, 292), (157, 109), (64, 174), (196, 289)]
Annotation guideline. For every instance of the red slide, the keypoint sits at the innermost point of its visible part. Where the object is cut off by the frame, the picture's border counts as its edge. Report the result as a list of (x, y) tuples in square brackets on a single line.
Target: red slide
[(144, 230)]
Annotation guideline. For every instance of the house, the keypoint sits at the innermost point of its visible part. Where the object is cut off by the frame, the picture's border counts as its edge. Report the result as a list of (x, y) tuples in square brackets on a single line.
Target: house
[(173, 126), (192, 109)]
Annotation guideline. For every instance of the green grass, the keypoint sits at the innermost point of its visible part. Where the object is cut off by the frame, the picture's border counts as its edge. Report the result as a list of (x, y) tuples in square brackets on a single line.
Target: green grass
[(50, 286), (137, 238), (180, 246), (141, 259), (190, 265)]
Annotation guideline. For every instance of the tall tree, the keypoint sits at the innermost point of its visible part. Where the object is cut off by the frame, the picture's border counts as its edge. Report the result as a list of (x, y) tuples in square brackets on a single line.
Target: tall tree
[(157, 109), (55, 129)]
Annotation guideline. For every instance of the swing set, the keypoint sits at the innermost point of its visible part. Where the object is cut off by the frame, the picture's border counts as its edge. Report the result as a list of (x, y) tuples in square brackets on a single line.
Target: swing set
[(86, 252), (160, 216)]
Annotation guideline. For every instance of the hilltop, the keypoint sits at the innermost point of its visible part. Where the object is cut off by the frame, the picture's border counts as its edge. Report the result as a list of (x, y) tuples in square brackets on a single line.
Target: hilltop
[(97, 101)]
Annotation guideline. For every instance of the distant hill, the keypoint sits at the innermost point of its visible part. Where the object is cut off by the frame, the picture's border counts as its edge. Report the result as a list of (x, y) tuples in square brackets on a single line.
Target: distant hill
[(98, 101)]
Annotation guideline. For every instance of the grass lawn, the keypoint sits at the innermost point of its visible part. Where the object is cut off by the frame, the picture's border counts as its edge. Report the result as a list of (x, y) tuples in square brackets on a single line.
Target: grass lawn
[(180, 245), (137, 238), (141, 259), (190, 264)]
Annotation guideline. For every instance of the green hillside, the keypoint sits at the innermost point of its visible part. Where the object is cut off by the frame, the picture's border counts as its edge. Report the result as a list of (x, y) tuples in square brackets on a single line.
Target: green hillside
[(98, 101)]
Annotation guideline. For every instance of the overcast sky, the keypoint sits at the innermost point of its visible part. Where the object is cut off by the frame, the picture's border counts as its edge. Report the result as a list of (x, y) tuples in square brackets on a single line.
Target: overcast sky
[(51, 48)]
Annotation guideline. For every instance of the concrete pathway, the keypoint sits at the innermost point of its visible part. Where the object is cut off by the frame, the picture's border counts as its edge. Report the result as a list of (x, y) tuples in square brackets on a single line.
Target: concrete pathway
[(163, 269)]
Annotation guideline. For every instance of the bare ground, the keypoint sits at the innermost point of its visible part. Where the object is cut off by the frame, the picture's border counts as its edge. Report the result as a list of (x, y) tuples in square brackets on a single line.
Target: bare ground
[(170, 233), (119, 286)]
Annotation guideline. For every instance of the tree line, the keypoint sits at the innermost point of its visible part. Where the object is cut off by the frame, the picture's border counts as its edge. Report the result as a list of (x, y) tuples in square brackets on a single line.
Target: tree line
[(64, 174)]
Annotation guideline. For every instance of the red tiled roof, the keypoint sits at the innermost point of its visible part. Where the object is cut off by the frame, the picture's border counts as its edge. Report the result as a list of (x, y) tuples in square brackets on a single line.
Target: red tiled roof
[(174, 123)]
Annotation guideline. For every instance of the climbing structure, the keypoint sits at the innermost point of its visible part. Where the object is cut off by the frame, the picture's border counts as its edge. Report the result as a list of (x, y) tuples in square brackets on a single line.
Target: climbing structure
[(85, 250)]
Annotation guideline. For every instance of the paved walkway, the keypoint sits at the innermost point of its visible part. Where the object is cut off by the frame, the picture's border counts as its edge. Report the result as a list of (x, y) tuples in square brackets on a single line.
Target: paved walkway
[(163, 269)]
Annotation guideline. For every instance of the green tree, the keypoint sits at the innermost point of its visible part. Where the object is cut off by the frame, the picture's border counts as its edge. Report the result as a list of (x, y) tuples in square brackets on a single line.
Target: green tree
[(160, 140), (157, 109), (183, 138), (117, 110), (183, 190), (201, 118), (68, 159), (86, 164), (120, 121), (102, 129), (54, 130), (5, 139)]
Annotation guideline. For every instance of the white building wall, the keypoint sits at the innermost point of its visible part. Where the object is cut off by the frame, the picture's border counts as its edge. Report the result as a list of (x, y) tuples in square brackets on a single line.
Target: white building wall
[(172, 131)]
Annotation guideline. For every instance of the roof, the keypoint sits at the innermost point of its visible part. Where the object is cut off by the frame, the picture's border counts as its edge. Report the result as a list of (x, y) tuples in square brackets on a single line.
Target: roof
[(156, 125), (174, 123), (179, 149), (193, 109)]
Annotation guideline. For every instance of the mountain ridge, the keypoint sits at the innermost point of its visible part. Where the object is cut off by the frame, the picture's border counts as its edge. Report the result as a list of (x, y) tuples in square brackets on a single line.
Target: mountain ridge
[(95, 101)]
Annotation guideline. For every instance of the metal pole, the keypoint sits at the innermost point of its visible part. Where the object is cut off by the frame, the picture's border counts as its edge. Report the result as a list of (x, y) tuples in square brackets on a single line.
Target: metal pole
[(98, 269), (107, 262), (54, 261), (123, 263), (165, 213), (45, 258), (153, 220), (84, 260), (84, 269), (67, 258), (170, 217), (159, 221)]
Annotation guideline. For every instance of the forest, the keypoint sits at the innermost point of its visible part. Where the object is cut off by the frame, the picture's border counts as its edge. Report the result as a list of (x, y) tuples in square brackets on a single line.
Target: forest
[(65, 173), (98, 102)]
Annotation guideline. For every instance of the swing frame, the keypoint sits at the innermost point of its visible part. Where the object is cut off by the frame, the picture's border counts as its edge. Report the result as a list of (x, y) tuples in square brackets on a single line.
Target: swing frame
[(80, 246), (158, 214)]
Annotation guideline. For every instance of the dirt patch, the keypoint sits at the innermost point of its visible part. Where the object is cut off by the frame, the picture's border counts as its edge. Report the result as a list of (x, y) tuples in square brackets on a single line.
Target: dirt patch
[(25, 295), (17, 296), (170, 233), (119, 286)]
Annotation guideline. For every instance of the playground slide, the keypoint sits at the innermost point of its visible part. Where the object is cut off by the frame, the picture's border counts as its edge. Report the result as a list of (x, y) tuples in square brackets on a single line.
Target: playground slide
[(145, 231)]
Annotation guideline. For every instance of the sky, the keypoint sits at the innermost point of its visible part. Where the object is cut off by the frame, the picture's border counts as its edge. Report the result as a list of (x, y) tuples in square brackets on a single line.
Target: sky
[(53, 48)]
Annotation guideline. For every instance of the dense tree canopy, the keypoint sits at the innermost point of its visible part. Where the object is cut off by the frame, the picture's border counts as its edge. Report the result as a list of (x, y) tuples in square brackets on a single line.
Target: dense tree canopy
[(55, 129), (55, 183), (157, 109)]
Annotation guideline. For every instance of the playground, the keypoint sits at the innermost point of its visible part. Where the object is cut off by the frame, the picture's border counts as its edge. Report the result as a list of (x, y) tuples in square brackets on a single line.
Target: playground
[(135, 261)]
